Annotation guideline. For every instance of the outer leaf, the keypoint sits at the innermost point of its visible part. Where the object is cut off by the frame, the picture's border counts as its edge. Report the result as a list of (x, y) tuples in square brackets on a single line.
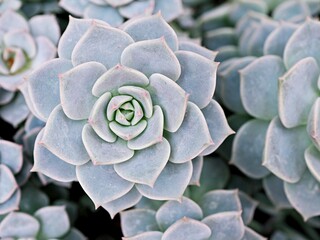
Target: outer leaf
[(73, 6), (146, 165), (76, 89), (33, 199), (304, 195), (152, 56), (54, 222), (169, 11), (274, 188), (303, 43), (259, 81), (249, 234), (170, 184), (98, 49), (50, 165), (74, 234), (39, 26), (46, 78), (46, 51), (11, 155), (102, 152), (102, 183), (312, 156), (187, 229), (248, 146), (62, 136), (280, 157), (297, 92), (74, 31), (152, 27), (217, 201), (189, 46), (11, 204), (18, 224), (292, 11), (194, 124), (225, 225), (146, 221), (197, 164), (122, 203), (313, 124), (197, 77), (152, 235), (13, 20), (105, 13), (248, 206), (8, 184), (172, 211), (117, 77), (218, 126), (171, 98)]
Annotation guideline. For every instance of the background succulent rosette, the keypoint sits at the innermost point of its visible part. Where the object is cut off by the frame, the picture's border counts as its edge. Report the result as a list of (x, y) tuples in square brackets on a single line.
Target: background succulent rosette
[(24, 45), (114, 12), (128, 110)]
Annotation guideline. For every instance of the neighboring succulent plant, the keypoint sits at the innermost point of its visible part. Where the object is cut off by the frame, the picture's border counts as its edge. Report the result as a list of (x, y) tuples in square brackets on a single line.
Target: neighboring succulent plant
[(23, 47), (10, 167), (36, 7), (51, 222), (114, 12), (9, 5), (205, 214), (135, 126)]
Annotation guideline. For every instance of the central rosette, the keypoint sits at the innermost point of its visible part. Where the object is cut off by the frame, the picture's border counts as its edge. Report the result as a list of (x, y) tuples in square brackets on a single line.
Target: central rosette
[(129, 112), (12, 60)]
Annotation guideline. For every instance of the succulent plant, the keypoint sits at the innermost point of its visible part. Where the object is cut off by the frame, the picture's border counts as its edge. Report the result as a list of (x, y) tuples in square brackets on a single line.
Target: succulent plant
[(10, 167), (114, 12), (24, 45), (50, 222), (9, 5), (35, 7), (128, 96)]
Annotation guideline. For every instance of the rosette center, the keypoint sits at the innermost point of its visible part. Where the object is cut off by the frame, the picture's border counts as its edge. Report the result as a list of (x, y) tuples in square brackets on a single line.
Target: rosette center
[(12, 60)]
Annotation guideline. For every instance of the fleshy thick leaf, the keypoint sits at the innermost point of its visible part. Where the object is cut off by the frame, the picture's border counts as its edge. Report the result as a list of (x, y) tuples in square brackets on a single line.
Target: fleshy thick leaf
[(188, 229), (170, 184), (73, 6), (198, 77), (225, 225), (171, 98), (218, 126), (274, 188), (197, 164), (184, 148), (101, 44), (217, 201), (283, 160), (312, 156), (50, 165), (151, 235), (146, 164), (152, 56), (102, 152), (43, 86), (249, 234), (304, 195), (8, 184), (62, 136), (76, 89), (102, 183), (137, 221), (54, 222), (259, 81), (313, 124), (248, 206), (303, 43), (11, 204), (40, 25), (152, 27), (248, 146), (117, 77), (172, 211), (18, 225), (104, 13), (297, 92), (122, 203), (11, 155)]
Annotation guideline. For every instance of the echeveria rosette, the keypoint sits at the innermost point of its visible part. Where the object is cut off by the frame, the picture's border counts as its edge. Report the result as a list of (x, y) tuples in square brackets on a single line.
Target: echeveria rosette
[(136, 107), (24, 45), (114, 12), (216, 216), (50, 222), (297, 124), (10, 166)]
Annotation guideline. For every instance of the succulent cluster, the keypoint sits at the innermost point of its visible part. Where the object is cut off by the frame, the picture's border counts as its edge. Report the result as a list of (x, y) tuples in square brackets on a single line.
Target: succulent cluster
[(122, 105)]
